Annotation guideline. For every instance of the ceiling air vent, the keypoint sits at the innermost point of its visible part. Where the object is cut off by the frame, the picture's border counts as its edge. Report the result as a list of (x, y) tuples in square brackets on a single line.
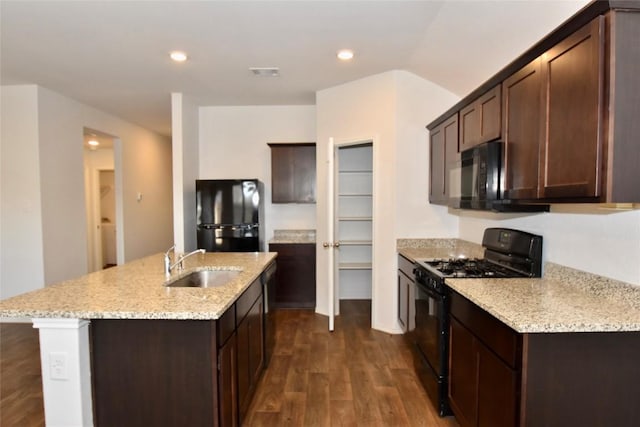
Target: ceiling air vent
[(265, 71)]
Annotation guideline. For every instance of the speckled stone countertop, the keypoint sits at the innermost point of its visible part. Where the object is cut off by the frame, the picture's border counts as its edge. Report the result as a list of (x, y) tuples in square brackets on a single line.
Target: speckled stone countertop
[(136, 291), (563, 300), (293, 236)]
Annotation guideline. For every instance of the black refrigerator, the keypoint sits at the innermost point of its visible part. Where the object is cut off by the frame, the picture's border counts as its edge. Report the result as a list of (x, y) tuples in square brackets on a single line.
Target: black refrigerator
[(230, 215)]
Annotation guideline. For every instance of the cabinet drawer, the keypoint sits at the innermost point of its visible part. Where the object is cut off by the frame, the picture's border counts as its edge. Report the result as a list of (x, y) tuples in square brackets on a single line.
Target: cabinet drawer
[(406, 267), (226, 325), (501, 339), (246, 300)]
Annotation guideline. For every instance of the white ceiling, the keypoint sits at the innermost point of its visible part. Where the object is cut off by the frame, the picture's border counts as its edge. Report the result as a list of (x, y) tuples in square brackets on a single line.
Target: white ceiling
[(113, 55)]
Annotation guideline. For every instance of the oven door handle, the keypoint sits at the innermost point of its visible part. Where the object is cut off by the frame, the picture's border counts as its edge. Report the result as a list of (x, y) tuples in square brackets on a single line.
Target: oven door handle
[(430, 292)]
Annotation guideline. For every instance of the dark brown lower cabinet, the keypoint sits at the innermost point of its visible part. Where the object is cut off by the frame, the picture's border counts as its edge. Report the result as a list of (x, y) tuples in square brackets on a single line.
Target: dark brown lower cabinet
[(406, 285), (463, 376), (497, 390), (250, 355), (227, 388), (296, 275), (483, 387), (501, 378), (178, 372)]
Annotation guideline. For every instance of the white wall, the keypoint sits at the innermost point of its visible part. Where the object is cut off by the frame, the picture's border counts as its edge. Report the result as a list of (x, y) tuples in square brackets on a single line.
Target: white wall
[(233, 144), (21, 264), (61, 187), (59, 123), (392, 108), (419, 102), (583, 237), (185, 131), (357, 111)]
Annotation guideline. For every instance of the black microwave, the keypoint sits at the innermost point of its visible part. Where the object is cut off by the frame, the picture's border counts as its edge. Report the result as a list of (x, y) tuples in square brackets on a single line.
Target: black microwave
[(475, 180)]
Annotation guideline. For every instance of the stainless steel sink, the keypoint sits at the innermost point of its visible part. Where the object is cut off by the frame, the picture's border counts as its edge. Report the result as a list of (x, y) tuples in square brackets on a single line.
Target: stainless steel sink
[(204, 279)]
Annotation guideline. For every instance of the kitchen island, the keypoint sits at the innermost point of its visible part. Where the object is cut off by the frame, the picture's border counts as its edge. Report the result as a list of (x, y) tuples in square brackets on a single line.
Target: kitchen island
[(553, 351), (144, 348)]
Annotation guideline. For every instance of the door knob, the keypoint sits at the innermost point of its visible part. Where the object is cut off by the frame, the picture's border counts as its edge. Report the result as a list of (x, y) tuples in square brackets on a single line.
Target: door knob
[(336, 245), (326, 244)]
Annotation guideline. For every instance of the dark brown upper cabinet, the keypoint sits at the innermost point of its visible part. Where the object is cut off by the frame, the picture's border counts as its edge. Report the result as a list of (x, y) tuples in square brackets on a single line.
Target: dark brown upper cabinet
[(569, 111), (573, 78), (480, 121), (522, 94), (443, 153), (293, 172)]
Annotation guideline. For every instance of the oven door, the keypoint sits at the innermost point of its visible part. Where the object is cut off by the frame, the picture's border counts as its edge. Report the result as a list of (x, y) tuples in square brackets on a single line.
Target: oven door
[(431, 331), (429, 339)]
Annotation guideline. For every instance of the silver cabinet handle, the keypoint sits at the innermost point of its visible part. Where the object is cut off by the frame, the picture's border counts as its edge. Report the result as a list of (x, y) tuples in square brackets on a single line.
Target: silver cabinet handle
[(326, 245), (336, 245)]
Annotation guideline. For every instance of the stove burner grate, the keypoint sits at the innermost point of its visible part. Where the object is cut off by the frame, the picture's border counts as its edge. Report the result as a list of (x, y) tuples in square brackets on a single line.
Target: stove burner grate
[(469, 267)]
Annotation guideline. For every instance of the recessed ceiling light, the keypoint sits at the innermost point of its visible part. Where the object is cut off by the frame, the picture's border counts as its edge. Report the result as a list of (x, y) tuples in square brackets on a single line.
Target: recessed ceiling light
[(178, 56), (265, 71), (345, 54), (93, 142)]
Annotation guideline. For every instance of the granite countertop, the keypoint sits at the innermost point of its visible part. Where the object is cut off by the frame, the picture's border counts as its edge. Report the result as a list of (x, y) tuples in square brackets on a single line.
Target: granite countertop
[(563, 300), (293, 236), (136, 291)]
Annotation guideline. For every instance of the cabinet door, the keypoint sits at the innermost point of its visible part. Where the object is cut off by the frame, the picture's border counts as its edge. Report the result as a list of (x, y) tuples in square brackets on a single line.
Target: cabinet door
[(443, 141), (256, 341), (296, 275), (228, 393), (304, 173), (480, 121), (463, 374), (244, 357), (403, 301), (293, 173), (573, 100), (437, 188), (469, 126), (522, 123), (490, 105), (497, 390), (250, 354), (282, 174)]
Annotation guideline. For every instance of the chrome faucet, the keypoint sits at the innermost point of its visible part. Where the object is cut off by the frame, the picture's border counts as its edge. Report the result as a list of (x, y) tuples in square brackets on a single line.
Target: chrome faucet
[(168, 267), (167, 259)]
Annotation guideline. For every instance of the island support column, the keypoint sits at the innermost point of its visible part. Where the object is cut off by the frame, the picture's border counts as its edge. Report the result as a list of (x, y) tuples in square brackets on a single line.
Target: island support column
[(66, 372)]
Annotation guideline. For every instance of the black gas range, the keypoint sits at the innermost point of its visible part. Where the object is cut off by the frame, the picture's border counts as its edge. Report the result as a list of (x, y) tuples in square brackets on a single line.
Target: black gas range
[(508, 254)]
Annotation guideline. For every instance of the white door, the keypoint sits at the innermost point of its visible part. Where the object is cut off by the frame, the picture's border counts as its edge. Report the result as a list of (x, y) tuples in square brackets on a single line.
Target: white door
[(329, 243), (350, 223)]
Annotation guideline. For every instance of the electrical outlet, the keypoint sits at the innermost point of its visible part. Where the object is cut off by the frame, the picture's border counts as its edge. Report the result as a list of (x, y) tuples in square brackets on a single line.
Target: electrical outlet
[(58, 366)]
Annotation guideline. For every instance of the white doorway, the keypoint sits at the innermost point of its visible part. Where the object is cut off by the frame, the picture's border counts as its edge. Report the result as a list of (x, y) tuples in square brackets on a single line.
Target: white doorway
[(101, 200), (351, 224), (107, 188)]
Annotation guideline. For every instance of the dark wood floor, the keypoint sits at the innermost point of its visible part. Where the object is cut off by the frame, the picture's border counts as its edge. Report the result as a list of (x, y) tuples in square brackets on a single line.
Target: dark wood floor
[(20, 379), (354, 376)]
